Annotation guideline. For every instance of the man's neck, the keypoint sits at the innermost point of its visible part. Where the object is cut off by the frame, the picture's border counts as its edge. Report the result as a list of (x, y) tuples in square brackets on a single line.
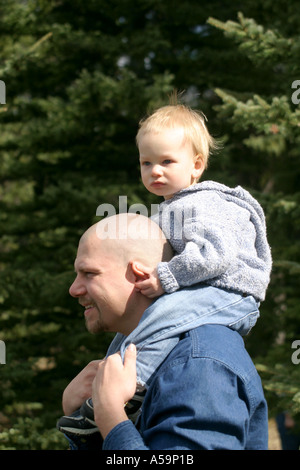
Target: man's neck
[(139, 305)]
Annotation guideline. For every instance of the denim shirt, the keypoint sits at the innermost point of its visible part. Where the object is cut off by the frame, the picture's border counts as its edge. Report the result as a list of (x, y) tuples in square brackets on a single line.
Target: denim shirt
[(206, 394)]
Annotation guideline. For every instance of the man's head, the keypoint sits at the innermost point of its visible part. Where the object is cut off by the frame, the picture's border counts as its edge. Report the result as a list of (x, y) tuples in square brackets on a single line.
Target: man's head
[(108, 262)]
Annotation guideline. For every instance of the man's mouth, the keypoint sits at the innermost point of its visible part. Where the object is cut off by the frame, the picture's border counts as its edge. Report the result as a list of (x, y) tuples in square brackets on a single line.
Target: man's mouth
[(88, 307)]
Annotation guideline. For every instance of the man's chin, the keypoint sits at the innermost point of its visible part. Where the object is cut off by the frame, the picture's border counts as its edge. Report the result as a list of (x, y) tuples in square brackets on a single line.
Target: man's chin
[(95, 326)]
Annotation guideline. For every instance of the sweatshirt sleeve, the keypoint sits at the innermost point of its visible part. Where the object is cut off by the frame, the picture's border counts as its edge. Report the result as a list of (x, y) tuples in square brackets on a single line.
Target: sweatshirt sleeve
[(210, 248)]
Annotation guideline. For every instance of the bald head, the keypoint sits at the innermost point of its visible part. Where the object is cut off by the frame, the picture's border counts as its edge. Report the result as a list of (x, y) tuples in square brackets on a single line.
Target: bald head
[(107, 271), (130, 237)]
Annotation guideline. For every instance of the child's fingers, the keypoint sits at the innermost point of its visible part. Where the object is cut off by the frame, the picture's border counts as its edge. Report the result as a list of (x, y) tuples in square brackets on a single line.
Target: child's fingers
[(149, 292), (142, 284)]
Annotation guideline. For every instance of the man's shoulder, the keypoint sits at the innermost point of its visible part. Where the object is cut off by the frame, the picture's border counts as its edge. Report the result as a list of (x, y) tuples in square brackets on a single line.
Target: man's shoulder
[(216, 343)]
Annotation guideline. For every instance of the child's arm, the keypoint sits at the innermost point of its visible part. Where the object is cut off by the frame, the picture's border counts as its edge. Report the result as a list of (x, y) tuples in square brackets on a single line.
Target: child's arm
[(209, 249)]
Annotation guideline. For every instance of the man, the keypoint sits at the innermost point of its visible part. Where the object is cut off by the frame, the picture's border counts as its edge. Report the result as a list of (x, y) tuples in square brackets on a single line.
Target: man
[(205, 394)]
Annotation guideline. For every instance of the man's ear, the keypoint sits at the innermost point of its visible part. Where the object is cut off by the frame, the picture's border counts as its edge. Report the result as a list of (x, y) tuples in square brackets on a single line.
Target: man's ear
[(140, 271)]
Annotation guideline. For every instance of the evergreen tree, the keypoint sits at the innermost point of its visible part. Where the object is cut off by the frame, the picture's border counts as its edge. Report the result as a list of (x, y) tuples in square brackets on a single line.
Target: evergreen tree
[(67, 145), (79, 76), (266, 131)]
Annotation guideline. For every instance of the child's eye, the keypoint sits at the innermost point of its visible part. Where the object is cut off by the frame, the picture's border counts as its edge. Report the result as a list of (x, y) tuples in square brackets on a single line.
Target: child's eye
[(167, 161), (146, 163)]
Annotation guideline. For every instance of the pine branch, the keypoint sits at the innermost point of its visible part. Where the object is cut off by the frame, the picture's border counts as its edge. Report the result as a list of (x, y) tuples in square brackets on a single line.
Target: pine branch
[(14, 61), (257, 43)]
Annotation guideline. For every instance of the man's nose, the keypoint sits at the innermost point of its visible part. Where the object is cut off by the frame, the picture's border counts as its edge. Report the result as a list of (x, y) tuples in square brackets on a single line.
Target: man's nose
[(76, 289)]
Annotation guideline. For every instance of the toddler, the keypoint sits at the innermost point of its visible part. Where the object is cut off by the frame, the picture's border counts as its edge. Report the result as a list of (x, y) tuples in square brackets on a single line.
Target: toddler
[(218, 233)]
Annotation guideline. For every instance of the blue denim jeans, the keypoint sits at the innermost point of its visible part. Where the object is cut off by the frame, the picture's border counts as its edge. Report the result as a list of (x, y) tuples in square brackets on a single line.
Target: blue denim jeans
[(171, 315)]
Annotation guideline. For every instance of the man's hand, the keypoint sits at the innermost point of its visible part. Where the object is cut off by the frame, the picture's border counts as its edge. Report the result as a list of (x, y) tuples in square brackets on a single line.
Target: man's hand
[(150, 286), (80, 389), (113, 386)]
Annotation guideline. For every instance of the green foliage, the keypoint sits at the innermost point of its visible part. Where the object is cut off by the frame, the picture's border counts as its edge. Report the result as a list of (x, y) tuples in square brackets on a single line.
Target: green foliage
[(30, 434), (79, 76)]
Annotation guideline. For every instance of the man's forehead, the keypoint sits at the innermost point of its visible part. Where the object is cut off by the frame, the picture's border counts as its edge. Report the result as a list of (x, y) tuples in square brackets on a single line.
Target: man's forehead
[(86, 252), (83, 262), (93, 253)]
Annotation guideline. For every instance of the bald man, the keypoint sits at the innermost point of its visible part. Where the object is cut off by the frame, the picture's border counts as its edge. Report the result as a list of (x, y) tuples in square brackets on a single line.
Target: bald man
[(202, 389), (107, 271), (108, 264)]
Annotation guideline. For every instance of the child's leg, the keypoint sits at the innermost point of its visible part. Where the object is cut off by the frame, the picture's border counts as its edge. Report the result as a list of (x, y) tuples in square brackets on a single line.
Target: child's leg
[(173, 314)]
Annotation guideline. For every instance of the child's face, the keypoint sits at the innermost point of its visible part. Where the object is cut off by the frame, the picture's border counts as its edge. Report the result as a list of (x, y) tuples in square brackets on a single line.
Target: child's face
[(168, 163)]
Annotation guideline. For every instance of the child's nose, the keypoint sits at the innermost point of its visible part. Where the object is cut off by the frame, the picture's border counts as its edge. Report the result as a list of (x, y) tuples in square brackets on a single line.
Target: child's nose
[(156, 170)]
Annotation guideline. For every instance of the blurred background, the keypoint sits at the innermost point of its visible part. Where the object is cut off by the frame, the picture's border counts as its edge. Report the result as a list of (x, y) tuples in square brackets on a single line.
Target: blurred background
[(79, 75)]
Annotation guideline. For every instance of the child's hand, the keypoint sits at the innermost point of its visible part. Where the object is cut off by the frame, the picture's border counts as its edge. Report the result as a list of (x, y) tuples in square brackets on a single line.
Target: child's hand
[(150, 286)]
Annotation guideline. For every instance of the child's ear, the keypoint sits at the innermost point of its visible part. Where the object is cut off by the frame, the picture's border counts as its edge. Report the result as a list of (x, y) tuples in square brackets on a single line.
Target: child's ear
[(141, 272), (198, 166)]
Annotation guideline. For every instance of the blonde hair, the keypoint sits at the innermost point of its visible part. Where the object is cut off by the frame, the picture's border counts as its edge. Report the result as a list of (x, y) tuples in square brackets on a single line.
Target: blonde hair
[(179, 115)]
